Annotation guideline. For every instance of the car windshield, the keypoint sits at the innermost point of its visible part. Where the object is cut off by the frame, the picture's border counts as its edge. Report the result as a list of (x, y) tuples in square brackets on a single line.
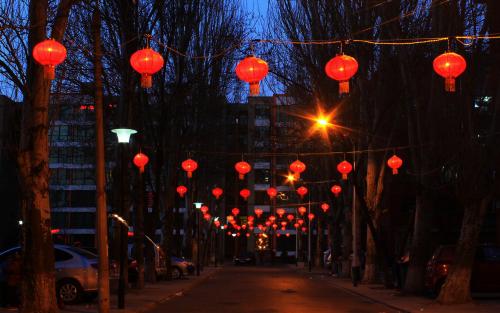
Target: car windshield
[(82, 252)]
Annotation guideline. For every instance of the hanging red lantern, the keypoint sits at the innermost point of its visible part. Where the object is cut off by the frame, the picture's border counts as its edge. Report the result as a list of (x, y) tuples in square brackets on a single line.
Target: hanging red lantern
[(395, 163), (229, 233), (248, 235), (290, 217), (297, 167), (325, 207), (296, 225), (283, 224), (204, 209), (238, 234), (283, 228), (310, 216), (342, 68), (275, 226), (242, 168), (278, 235), (302, 191), (235, 211), (300, 221), (302, 210), (250, 219), (449, 65), (272, 192), (217, 192), (49, 53), (189, 166), (252, 70), (268, 223), (244, 226), (258, 212), (207, 217), (344, 168), (245, 193), (272, 218), (280, 212), (146, 62), (304, 229), (181, 190), (217, 223), (336, 190), (287, 234), (140, 160)]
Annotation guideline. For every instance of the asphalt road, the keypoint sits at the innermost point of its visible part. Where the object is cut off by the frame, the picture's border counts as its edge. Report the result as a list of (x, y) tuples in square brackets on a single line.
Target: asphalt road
[(267, 290)]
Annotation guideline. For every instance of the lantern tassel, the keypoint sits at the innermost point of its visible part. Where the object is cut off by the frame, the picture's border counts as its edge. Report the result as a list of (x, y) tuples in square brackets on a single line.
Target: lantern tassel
[(241, 176), (394, 171), (343, 87), (189, 174), (254, 89), (344, 176), (141, 169), (146, 81), (49, 72), (449, 84)]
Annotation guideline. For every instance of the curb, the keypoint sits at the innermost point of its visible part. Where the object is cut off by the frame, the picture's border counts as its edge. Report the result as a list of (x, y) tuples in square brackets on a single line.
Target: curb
[(156, 303), (359, 294)]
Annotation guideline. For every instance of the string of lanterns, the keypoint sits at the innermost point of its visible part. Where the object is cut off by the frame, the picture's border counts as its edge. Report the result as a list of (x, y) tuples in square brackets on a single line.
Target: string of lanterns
[(450, 65)]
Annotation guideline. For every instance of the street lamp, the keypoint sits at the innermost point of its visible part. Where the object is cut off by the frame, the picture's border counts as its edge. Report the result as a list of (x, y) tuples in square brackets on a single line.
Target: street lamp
[(198, 205), (123, 135)]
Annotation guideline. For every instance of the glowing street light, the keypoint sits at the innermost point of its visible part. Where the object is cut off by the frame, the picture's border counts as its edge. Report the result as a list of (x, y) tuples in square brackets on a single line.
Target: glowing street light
[(124, 134)]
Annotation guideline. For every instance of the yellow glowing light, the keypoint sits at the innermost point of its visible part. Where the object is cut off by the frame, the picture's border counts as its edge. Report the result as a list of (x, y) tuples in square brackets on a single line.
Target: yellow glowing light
[(290, 178), (322, 121)]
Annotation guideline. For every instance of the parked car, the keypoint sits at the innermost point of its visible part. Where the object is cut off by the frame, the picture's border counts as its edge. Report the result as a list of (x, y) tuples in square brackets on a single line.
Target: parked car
[(485, 271), (181, 267), (245, 258), (75, 270)]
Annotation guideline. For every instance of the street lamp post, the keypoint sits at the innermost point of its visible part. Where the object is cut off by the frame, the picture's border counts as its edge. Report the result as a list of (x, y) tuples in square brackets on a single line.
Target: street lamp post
[(123, 135), (309, 236), (198, 263)]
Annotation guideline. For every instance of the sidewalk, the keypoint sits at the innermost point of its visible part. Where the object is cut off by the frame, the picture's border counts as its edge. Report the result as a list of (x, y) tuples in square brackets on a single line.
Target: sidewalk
[(138, 301), (405, 303)]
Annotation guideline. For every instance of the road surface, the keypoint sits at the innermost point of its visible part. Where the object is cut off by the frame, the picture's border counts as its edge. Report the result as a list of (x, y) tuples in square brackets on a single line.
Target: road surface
[(267, 290)]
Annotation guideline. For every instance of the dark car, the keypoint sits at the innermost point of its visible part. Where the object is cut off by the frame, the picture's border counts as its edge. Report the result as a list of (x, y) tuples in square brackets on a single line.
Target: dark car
[(245, 258), (485, 271)]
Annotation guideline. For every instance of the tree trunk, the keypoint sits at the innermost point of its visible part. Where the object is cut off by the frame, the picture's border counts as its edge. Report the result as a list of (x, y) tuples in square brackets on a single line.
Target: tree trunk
[(101, 207), (456, 289), (38, 284), (319, 243)]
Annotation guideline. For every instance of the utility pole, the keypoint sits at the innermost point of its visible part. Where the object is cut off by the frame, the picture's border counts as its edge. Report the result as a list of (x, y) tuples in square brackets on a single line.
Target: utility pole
[(101, 207)]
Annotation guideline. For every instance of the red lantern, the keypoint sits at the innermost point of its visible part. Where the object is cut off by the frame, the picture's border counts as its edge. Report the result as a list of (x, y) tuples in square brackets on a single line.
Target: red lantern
[(258, 212), (302, 210), (140, 160), (235, 211), (250, 219), (272, 218), (268, 223), (242, 168), (395, 163), (297, 168), (229, 233), (449, 65), (49, 53), (245, 193), (336, 190), (342, 68), (252, 70), (189, 166), (275, 226), (344, 168), (300, 221), (283, 228), (229, 218), (146, 62), (248, 235), (302, 191), (290, 217), (310, 216), (217, 223), (278, 235), (272, 192), (207, 216), (280, 212), (217, 192), (181, 190), (283, 224), (238, 234), (296, 225), (287, 234), (325, 207), (304, 229), (204, 209), (244, 226)]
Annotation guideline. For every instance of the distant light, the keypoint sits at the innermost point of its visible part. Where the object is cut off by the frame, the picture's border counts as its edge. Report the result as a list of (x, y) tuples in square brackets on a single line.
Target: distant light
[(124, 134), (20, 222), (198, 205), (234, 235), (290, 177)]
